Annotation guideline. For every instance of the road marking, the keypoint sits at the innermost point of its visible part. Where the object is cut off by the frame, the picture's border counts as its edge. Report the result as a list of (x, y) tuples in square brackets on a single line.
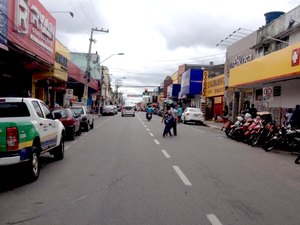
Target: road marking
[(181, 175), (85, 134), (147, 129), (151, 134), (156, 141), (74, 142), (67, 147), (166, 154), (79, 199), (213, 219)]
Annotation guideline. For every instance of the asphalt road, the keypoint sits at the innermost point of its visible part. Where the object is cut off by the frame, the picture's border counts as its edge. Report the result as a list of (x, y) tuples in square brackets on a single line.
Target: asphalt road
[(124, 172)]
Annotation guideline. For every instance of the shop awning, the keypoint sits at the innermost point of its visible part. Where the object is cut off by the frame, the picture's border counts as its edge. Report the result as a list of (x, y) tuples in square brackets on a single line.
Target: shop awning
[(77, 74)]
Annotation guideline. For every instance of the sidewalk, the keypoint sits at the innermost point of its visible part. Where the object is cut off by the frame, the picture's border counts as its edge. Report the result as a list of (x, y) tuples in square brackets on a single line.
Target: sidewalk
[(213, 124)]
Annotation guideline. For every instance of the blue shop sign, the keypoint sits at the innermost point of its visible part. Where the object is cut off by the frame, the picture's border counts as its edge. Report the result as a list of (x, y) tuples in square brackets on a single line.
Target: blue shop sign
[(191, 82)]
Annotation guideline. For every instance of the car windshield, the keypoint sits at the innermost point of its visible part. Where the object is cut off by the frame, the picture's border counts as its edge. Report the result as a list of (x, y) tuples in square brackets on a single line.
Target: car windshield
[(78, 111), (64, 113), (127, 107)]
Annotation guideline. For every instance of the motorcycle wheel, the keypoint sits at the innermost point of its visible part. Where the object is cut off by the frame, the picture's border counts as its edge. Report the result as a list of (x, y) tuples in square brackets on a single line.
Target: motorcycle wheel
[(227, 132), (269, 145)]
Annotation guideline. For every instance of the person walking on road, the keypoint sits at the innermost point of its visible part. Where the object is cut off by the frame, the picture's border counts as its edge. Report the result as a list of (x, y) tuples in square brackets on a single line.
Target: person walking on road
[(167, 120), (174, 121)]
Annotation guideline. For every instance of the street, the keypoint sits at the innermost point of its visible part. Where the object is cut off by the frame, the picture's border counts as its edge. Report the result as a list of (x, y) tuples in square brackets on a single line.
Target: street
[(124, 172)]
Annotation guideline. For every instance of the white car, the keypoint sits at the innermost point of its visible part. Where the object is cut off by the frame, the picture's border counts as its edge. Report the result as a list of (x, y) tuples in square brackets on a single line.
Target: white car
[(192, 115), (128, 110)]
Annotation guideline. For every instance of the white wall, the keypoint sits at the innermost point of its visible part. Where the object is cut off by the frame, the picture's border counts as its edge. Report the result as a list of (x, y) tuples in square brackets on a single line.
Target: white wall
[(290, 94)]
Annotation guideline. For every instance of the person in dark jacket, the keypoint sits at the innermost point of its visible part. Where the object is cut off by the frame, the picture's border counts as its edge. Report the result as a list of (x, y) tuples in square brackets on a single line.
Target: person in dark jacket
[(295, 119), (252, 111)]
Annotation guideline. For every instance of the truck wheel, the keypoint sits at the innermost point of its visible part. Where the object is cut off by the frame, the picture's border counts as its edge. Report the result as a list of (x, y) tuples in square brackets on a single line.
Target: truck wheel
[(33, 166), (59, 151)]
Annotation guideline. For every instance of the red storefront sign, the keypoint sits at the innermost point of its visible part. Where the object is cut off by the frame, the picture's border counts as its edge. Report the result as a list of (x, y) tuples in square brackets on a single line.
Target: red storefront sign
[(32, 28), (296, 57)]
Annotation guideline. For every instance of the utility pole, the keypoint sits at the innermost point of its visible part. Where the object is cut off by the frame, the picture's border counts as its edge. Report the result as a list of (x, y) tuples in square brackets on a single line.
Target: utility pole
[(88, 66)]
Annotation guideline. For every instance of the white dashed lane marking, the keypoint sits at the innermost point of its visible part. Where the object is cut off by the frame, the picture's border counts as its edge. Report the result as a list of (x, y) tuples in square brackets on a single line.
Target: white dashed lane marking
[(166, 154), (67, 147), (151, 134), (181, 175), (213, 219), (156, 141)]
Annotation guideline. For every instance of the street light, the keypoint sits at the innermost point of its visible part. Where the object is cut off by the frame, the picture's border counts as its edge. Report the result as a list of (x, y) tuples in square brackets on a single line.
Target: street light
[(111, 56), (71, 13)]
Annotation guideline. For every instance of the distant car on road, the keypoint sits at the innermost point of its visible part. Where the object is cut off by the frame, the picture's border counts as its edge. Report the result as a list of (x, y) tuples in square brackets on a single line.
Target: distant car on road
[(70, 121), (128, 110), (109, 110), (86, 117), (192, 115)]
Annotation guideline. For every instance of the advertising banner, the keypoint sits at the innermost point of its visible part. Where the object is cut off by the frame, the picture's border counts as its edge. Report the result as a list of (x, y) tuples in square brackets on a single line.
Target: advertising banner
[(3, 23), (32, 28)]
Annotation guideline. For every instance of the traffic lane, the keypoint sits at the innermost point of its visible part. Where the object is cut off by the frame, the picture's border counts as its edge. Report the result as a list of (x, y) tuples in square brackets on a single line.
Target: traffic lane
[(237, 175), (125, 181)]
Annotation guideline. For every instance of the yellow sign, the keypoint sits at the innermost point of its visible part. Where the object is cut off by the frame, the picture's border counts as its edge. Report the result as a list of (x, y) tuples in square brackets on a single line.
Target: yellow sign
[(215, 86), (276, 65)]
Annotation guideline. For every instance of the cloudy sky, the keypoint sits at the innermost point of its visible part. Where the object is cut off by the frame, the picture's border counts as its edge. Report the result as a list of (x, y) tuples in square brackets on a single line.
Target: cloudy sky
[(157, 36)]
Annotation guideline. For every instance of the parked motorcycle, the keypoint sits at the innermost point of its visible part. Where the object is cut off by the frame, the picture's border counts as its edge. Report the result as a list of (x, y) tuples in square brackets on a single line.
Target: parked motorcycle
[(227, 123), (239, 133), (148, 116), (284, 138)]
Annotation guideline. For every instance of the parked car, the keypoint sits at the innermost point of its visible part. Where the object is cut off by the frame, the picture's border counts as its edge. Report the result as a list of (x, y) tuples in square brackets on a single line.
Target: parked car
[(109, 110), (70, 121), (28, 130), (128, 110), (86, 117), (115, 109), (191, 114)]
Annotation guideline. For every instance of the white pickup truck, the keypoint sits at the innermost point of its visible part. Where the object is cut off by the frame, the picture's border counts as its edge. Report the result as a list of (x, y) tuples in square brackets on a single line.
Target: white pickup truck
[(27, 130)]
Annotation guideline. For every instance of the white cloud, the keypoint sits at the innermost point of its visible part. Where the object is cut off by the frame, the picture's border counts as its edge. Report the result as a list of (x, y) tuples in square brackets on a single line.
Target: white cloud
[(157, 36)]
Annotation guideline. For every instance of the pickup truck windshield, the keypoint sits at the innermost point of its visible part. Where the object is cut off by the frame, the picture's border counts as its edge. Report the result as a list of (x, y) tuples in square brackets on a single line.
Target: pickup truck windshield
[(13, 109)]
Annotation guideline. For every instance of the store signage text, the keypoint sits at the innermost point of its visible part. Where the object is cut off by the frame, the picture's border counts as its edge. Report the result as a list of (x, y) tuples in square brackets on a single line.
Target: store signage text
[(33, 21), (60, 59), (239, 60)]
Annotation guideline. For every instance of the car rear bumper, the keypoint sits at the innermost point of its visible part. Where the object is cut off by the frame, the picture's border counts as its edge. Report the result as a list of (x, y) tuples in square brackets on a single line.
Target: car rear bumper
[(10, 160)]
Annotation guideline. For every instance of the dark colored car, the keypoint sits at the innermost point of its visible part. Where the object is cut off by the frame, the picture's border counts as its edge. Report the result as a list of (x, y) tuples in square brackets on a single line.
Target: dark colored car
[(70, 121)]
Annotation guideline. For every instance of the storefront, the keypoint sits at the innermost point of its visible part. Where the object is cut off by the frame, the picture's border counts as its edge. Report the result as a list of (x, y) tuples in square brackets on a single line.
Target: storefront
[(76, 81), (214, 93), (51, 86), (30, 42), (191, 88), (274, 80)]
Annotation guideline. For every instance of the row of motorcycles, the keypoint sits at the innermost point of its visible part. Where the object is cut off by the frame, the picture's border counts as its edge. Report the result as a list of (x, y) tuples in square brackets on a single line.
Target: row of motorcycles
[(265, 133)]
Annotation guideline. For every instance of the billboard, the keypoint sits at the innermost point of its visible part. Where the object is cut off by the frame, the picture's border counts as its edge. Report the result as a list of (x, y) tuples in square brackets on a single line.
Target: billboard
[(32, 28)]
